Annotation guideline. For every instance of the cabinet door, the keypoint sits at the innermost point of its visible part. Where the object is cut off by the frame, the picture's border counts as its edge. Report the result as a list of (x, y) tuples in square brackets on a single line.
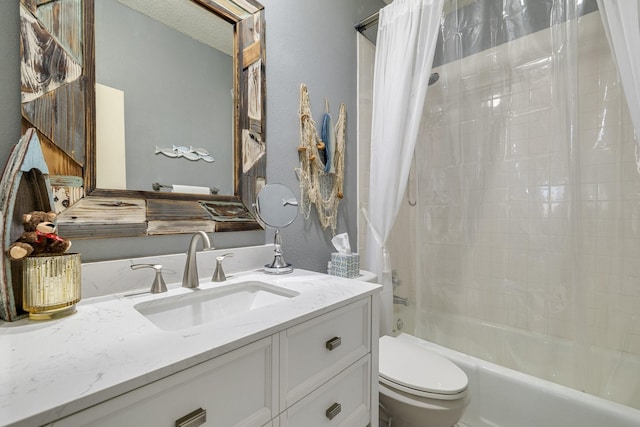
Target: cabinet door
[(316, 350), (344, 401), (234, 389)]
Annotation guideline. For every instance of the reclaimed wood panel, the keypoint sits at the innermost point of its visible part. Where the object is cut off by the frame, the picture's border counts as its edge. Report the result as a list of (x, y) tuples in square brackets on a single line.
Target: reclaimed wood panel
[(103, 217), (251, 54), (180, 227), (57, 161), (66, 190), (253, 122), (231, 15), (234, 8), (105, 210), (61, 18), (101, 230), (172, 210), (237, 226), (60, 116), (45, 64), (188, 227), (248, 6)]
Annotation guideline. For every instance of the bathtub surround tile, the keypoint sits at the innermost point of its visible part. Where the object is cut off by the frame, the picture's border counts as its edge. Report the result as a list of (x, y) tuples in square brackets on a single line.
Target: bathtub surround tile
[(494, 220)]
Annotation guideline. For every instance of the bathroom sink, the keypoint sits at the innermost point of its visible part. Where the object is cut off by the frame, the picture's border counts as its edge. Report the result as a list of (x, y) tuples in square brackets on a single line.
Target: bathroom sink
[(209, 305)]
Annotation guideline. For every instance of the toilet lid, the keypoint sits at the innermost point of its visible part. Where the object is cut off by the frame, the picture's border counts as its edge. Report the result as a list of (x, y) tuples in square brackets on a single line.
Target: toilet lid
[(413, 367)]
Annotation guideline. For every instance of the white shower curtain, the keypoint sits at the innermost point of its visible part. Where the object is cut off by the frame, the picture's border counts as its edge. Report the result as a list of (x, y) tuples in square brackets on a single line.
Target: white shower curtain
[(407, 36), (524, 232), (621, 19)]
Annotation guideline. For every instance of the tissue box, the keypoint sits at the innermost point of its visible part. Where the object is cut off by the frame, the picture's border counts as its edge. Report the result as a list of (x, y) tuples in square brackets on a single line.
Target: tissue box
[(345, 265)]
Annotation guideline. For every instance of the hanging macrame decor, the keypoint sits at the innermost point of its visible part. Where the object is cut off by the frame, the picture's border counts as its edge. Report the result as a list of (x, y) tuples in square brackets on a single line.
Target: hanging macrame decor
[(321, 170)]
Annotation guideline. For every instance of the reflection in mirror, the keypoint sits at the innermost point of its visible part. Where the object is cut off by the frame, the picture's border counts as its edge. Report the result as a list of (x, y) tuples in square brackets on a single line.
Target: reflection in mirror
[(277, 207), (159, 118)]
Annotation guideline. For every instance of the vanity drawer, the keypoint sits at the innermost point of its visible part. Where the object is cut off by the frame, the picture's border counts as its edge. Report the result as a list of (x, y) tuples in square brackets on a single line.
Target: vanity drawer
[(343, 401), (316, 350), (235, 389)]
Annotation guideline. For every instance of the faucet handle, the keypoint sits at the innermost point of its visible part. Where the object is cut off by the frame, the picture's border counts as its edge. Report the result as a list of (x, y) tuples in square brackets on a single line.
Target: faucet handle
[(158, 284), (218, 275)]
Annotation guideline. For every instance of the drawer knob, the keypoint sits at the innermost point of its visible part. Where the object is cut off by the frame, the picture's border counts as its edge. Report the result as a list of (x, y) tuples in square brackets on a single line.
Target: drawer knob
[(333, 410), (333, 343), (193, 419)]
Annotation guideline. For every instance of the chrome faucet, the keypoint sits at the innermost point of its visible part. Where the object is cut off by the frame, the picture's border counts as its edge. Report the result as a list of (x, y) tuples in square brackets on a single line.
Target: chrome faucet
[(158, 285), (190, 276), (218, 275)]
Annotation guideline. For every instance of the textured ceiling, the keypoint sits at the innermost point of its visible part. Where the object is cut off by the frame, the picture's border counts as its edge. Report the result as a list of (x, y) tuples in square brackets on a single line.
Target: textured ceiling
[(190, 19)]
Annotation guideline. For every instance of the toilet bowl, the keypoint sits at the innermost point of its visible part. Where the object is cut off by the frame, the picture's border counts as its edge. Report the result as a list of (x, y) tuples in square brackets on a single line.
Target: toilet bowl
[(419, 388)]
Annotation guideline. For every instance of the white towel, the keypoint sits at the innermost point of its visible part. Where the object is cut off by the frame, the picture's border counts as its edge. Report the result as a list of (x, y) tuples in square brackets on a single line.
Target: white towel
[(191, 189)]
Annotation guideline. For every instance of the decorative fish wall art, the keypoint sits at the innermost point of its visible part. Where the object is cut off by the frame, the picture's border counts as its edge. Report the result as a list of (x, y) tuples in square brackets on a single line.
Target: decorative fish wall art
[(189, 153)]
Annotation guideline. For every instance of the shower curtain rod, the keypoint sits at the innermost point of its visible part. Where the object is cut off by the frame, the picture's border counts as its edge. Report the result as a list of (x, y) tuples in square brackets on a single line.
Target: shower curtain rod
[(368, 22)]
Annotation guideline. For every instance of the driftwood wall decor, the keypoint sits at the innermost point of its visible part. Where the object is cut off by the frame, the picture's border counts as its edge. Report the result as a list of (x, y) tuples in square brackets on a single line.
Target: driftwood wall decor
[(58, 99), (24, 187), (53, 81)]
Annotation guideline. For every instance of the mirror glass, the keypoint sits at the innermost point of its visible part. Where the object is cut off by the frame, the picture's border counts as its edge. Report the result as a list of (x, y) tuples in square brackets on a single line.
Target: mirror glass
[(276, 206), (160, 119)]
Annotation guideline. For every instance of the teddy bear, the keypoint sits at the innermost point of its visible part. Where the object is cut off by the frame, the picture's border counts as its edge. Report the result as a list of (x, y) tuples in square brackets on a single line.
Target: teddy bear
[(39, 237)]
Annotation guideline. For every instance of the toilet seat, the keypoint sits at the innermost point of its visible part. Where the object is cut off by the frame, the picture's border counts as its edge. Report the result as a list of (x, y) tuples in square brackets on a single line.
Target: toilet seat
[(415, 370)]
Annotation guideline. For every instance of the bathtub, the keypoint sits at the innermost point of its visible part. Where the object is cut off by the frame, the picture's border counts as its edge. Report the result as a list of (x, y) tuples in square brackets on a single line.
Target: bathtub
[(502, 397)]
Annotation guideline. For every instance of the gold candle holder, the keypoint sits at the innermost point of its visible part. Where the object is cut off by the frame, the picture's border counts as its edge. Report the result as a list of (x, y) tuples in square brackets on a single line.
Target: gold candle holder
[(51, 285)]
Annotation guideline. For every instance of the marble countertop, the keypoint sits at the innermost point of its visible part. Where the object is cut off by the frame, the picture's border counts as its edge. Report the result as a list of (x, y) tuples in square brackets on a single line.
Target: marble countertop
[(51, 369)]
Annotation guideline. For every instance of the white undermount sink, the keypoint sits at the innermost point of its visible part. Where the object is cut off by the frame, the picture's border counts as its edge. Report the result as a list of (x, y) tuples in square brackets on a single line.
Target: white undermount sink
[(208, 305)]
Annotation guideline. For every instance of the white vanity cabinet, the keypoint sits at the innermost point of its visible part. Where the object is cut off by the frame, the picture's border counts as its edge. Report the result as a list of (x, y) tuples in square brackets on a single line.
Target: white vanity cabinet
[(345, 400), (235, 389), (320, 372), (324, 349)]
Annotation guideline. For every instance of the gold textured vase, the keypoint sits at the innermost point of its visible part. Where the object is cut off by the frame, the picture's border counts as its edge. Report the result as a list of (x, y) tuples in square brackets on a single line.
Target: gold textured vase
[(51, 285)]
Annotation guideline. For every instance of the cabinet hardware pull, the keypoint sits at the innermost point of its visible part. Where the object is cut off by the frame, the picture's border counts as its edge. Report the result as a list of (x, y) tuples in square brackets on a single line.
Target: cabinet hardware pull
[(333, 410), (193, 419), (333, 343)]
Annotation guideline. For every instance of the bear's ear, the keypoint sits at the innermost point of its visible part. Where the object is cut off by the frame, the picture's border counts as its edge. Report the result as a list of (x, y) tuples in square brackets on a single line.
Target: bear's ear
[(26, 218), (51, 216)]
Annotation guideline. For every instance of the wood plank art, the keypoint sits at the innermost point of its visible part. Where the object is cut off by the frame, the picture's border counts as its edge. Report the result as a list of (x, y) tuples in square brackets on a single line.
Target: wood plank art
[(227, 211), (67, 190), (45, 64), (156, 227), (252, 156), (54, 88), (103, 217), (24, 187)]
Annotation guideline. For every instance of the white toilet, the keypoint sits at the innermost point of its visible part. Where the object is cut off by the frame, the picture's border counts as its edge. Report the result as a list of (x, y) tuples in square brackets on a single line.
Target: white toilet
[(419, 388)]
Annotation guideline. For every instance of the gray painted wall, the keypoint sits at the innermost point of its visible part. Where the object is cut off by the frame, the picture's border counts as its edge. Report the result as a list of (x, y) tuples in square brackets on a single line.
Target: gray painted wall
[(9, 78), (310, 41)]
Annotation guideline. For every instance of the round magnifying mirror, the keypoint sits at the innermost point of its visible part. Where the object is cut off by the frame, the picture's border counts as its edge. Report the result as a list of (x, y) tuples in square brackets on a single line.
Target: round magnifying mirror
[(277, 207)]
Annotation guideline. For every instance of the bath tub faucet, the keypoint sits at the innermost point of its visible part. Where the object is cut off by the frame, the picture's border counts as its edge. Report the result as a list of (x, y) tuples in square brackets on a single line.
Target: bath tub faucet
[(190, 276)]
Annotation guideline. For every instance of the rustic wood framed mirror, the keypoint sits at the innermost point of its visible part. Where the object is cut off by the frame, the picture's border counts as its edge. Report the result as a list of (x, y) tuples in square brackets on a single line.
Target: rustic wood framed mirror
[(58, 48)]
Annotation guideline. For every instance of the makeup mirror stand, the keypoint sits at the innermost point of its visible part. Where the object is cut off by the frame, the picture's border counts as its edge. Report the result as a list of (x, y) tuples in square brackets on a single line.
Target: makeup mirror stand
[(276, 207)]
